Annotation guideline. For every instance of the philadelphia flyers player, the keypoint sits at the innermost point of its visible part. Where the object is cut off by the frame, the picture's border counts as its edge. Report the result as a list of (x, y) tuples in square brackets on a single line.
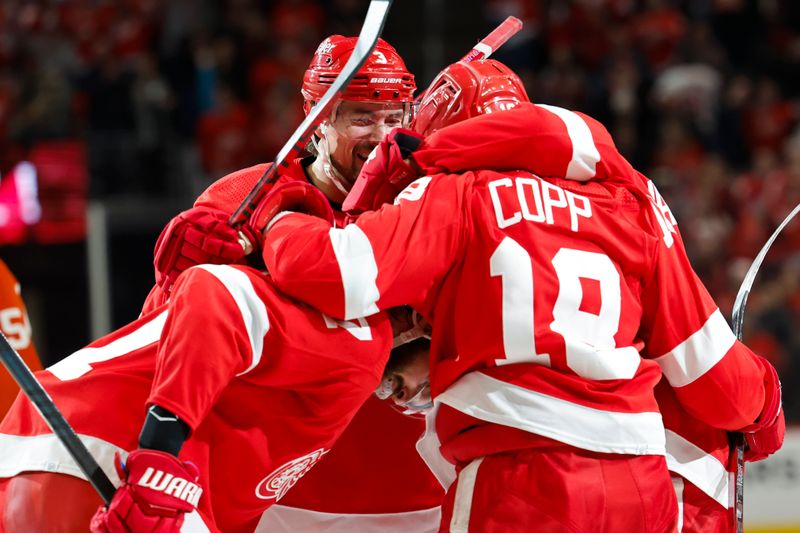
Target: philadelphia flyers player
[(16, 326)]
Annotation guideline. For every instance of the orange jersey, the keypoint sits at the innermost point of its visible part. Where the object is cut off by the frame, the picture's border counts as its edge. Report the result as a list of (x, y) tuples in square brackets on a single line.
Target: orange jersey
[(17, 328)]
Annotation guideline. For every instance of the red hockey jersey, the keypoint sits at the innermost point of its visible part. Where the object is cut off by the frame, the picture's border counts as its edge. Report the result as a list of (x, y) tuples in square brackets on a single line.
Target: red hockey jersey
[(555, 142), (267, 386), (542, 294), (376, 449)]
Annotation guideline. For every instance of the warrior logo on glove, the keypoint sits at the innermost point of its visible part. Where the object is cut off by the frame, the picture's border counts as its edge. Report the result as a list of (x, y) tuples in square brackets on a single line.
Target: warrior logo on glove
[(171, 485)]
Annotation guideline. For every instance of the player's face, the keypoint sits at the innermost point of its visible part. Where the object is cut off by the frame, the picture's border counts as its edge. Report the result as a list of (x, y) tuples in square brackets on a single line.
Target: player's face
[(355, 128), (410, 380)]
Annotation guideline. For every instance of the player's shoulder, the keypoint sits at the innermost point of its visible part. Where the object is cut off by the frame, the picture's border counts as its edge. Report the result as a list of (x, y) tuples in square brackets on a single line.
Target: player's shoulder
[(8, 283), (242, 282), (6, 277), (227, 192)]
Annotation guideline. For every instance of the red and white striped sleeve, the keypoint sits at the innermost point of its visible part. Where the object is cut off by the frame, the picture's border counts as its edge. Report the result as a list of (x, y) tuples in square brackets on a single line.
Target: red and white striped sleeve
[(214, 331), (389, 257), (547, 140), (715, 377)]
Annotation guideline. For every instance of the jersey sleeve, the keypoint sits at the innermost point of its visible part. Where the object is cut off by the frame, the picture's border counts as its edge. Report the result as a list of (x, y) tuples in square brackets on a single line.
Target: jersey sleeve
[(546, 140), (214, 331), (716, 378), (396, 255)]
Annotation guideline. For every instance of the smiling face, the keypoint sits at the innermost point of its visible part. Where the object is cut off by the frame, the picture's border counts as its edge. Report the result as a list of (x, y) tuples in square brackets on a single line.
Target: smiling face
[(347, 138)]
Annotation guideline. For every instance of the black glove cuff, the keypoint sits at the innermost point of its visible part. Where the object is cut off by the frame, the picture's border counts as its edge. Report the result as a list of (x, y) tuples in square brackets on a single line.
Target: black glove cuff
[(407, 143), (163, 431)]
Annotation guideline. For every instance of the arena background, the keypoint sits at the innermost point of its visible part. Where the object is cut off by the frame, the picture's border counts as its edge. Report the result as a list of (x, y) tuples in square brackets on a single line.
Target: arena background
[(114, 115)]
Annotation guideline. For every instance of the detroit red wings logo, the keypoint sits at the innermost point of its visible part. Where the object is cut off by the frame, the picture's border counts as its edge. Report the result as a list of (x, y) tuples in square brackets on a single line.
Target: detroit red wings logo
[(278, 483)]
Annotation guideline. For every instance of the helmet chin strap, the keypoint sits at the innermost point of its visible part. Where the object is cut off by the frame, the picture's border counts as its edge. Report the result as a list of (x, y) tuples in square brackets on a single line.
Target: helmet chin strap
[(328, 168), (416, 331)]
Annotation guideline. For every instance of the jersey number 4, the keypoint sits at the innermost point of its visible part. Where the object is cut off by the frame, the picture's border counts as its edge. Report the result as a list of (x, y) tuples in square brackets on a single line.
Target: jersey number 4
[(591, 351)]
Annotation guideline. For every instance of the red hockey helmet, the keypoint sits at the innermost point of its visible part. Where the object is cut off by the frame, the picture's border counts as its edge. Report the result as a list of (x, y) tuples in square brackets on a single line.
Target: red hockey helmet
[(464, 90), (383, 77)]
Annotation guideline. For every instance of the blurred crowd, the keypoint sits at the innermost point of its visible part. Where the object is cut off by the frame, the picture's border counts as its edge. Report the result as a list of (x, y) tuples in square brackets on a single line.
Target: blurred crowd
[(703, 96)]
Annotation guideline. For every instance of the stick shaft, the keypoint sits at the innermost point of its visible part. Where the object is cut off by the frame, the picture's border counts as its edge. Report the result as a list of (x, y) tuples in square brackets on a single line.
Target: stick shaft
[(367, 39), (44, 404), (737, 319), (502, 33)]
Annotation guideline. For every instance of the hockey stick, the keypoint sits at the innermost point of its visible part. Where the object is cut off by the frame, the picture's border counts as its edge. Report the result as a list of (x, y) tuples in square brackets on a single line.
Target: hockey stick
[(737, 319), (61, 428), (367, 39), (503, 32)]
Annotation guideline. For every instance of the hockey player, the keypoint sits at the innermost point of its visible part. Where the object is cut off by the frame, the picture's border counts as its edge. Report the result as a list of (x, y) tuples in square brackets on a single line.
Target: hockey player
[(377, 100), (16, 327), (379, 443), (697, 454), (545, 394), (225, 397)]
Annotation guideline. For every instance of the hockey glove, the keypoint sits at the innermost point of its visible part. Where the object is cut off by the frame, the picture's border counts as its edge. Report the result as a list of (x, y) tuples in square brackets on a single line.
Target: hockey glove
[(765, 436), (772, 399), (196, 236), (156, 492), (765, 441), (293, 196), (385, 173)]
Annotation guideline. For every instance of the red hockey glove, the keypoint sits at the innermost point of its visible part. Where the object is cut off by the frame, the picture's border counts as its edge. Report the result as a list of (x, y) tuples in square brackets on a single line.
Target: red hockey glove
[(772, 399), (765, 441), (196, 236), (156, 492), (295, 196), (385, 173), (765, 436)]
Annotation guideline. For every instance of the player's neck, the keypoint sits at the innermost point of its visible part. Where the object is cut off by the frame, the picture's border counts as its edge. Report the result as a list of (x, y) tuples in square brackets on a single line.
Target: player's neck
[(319, 178)]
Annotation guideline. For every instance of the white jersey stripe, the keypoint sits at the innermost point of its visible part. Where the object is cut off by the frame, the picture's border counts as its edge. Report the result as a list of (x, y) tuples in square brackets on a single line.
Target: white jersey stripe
[(677, 484), (699, 353), (462, 499), (702, 469), (79, 363), (251, 307), (490, 399), (359, 271), (45, 453), (193, 523), (585, 156), (280, 518)]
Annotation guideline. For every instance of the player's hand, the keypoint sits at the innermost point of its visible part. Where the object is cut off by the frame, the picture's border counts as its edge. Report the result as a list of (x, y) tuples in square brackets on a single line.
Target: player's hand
[(156, 492), (196, 236), (765, 441), (292, 196), (765, 435), (385, 173)]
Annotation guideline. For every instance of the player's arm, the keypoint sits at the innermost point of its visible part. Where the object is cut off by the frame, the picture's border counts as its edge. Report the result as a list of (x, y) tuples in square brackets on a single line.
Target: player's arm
[(715, 377), (214, 330), (546, 140), (202, 234), (393, 256)]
